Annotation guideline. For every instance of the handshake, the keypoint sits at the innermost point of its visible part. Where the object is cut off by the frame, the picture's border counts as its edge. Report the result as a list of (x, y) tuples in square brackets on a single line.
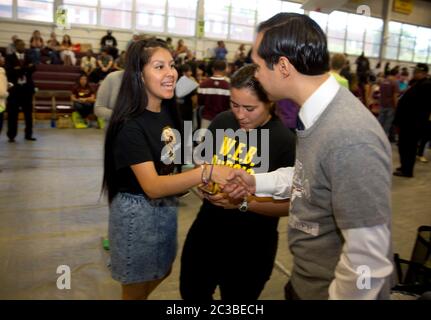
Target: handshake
[(226, 187)]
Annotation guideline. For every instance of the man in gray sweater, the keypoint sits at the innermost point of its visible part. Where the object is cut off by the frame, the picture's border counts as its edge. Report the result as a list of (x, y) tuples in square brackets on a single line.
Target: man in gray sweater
[(340, 188)]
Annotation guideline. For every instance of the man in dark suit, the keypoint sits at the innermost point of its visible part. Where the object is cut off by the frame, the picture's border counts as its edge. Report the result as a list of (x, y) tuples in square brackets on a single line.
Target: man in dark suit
[(411, 118), (19, 70)]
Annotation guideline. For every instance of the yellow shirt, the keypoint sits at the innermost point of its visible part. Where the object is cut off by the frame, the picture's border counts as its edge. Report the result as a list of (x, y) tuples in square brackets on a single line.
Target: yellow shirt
[(340, 79)]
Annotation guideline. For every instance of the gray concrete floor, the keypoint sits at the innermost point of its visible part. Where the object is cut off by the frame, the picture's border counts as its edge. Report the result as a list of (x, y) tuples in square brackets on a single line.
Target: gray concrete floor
[(51, 215)]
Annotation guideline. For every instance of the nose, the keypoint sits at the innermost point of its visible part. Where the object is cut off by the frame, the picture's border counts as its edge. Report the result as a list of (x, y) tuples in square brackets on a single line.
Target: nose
[(240, 113), (172, 72)]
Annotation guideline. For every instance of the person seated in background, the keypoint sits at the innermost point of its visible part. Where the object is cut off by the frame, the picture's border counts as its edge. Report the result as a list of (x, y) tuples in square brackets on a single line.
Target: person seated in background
[(181, 52), (83, 98), (66, 54), (88, 66), (53, 49), (11, 48), (120, 62), (338, 61), (105, 64), (36, 46), (110, 43)]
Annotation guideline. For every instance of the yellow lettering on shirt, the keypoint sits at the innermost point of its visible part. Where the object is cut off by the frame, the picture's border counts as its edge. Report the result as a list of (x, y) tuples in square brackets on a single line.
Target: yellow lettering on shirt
[(227, 145), (238, 151)]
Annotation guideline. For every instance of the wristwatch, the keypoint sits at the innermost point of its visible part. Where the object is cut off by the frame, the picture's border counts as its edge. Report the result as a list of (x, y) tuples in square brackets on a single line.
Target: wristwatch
[(243, 207)]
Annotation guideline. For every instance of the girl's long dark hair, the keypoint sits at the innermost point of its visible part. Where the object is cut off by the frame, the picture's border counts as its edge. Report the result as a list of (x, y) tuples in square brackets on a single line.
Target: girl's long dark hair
[(131, 102)]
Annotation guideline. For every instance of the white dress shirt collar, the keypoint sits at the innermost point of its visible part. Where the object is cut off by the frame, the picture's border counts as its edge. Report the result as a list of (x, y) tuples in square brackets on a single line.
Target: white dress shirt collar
[(314, 106)]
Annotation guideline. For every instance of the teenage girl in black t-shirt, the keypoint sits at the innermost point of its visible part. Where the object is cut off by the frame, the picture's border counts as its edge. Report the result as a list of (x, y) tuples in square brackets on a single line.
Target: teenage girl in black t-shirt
[(229, 247), (139, 153)]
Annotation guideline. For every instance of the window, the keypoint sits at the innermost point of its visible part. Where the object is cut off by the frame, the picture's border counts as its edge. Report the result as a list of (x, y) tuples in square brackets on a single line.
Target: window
[(150, 15), (291, 7), (393, 41), (226, 19), (81, 11), (337, 24), (42, 10), (321, 19), (407, 42), (423, 38), (373, 37), (116, 13), (355, 34), (267, 8), (182, 17), (243, 20), (6, 8), (216, 18)]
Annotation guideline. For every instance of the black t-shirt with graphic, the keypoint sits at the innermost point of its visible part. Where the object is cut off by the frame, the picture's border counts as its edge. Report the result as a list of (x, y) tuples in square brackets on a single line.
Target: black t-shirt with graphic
[(245, 154), (140, 140)]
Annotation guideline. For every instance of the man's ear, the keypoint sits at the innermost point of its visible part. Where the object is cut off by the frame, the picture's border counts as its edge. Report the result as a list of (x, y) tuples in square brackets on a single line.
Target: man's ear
[(284, 67)]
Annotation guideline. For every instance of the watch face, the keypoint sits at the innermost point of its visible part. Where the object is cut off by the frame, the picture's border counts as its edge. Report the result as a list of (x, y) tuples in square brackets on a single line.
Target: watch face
[(243, 206)]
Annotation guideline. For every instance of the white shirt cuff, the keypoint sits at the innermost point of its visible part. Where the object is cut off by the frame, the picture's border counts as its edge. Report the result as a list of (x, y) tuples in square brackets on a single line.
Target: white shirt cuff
[(276, 184)]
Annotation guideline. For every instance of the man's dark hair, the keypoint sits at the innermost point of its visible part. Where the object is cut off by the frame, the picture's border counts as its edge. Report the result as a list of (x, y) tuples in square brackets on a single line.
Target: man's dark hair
[(219, 65), (296, 37)]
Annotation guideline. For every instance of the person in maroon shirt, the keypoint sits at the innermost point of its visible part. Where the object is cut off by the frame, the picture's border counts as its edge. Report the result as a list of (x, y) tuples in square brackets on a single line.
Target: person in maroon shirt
[(214, 94), (83, 99)]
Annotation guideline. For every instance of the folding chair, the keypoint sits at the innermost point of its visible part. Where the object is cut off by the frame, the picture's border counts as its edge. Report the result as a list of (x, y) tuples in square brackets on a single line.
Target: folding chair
[(414, 276)]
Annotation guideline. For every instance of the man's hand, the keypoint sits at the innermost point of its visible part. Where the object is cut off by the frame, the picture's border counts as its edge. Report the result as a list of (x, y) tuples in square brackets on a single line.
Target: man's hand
[(220, 173), (222, 200), (239, 184)]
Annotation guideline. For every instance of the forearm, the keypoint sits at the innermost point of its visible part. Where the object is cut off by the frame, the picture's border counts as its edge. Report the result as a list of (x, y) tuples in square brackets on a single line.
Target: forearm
[(270, 208), (364, 265), (157, 186)]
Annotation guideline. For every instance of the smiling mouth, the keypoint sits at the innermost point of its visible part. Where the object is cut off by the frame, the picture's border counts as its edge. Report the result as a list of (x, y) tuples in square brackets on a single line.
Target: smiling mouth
[(168, 85)]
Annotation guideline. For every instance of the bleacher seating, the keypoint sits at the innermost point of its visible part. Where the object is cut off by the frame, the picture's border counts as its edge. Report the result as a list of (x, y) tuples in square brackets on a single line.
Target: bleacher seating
[(54, 84)]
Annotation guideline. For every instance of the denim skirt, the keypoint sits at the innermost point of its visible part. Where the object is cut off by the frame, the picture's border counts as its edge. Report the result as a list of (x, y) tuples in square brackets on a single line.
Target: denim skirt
[(142, 237)]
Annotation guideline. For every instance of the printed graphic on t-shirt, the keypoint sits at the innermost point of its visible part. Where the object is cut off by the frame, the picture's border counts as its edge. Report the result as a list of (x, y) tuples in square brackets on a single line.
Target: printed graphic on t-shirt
[(300, 185), (168, 152), (301, 189), (170, 141), (236, 154)]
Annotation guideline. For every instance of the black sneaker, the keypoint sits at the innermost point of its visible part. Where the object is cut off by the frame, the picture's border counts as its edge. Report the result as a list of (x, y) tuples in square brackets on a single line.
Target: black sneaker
[(11, 140), (401, 174), (31, 139)]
